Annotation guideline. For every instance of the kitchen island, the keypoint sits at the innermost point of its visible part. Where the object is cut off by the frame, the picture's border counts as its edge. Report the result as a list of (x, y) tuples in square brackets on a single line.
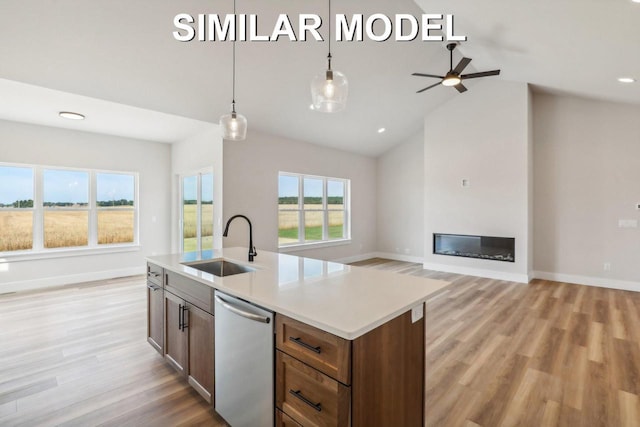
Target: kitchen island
[(349, 341)]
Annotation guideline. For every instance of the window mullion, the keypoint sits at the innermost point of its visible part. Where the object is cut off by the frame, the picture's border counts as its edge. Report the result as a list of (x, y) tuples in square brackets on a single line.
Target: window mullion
[(38, 209), (181, 212), (93, 214), (346, 209), (199, 212)]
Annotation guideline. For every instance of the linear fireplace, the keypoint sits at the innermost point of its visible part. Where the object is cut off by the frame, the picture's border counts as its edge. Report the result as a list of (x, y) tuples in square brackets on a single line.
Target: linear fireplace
[(484, 247)]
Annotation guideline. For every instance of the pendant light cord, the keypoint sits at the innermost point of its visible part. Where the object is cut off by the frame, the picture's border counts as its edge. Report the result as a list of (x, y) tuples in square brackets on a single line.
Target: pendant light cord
[(329, 56), (233, 101)]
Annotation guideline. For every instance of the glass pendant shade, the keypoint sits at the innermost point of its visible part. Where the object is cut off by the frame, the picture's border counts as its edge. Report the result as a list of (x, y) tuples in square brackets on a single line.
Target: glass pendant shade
[(329, 91), (234, 126)]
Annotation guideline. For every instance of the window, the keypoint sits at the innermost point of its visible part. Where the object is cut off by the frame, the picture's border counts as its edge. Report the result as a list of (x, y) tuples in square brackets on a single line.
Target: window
[(312, 209), (66, 208), (43, 209), (116, 210), (16, 208), (197, 212)]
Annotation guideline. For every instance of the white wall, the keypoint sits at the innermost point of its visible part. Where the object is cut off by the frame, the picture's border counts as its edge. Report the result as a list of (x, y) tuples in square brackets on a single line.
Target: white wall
[(400, 177), (483, 136), (251, 188), (587, 178), (194, 154), (24, 143)]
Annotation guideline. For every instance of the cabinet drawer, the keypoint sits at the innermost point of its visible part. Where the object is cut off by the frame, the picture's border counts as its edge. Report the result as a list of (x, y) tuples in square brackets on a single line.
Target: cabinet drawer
[(154, 274), (308, 396), (324, 351), (284, 420), (196, 293)]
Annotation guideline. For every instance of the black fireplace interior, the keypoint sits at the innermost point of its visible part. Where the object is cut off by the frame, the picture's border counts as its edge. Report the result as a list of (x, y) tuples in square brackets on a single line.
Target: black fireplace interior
[(484, 247)]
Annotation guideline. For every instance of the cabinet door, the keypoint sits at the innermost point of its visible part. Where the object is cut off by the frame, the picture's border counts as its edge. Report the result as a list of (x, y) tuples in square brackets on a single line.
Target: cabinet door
[(175, 343), (155, 316), (201, 348)]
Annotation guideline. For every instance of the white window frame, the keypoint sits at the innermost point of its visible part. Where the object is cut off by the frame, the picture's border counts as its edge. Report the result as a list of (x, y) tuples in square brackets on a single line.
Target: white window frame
[(38, 251), (325, 241), (181, 177)]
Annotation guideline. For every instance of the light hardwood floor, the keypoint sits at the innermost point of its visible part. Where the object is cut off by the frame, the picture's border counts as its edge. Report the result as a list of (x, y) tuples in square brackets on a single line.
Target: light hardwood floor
[(78, 356), (543, 354), (498, 354)]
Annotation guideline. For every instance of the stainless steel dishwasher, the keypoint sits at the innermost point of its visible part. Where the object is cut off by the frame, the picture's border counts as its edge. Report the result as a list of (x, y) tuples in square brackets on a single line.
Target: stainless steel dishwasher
[(244, 368)]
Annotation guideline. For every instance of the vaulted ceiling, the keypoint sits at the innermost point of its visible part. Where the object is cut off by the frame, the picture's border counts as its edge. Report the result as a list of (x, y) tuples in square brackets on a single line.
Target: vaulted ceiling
[(123, 52)]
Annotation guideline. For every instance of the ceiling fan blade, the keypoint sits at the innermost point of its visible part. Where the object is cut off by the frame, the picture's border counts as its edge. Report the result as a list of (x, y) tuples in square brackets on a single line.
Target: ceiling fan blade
[(461, 65), (428, 87), (481, 74), (460, 87), (427, 75)]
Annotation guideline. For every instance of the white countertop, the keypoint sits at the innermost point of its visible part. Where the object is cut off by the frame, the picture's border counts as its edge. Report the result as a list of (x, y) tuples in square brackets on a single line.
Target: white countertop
[(344, 300)]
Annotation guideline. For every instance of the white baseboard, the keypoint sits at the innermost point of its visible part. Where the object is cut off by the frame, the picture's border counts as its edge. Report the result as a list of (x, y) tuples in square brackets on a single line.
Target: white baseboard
[(49, 282), (355, 258), (400, 257), (601, 282), (386, 255), (490, 274)]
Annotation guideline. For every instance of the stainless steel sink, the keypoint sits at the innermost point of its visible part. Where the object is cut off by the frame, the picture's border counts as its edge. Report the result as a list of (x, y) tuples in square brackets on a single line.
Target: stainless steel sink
[(220, 268)]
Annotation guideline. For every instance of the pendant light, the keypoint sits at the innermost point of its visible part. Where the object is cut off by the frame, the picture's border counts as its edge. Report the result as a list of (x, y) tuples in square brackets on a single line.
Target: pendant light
[(234, 125), (329, 88)]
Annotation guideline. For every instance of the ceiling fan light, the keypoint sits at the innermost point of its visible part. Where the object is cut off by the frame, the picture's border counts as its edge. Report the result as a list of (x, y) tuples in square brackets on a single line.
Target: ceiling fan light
[(234, 126), (451, 80), (329, 91)]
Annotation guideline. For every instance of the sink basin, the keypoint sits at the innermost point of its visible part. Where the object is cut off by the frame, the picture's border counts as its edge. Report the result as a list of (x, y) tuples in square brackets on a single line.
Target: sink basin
[(220, 268)]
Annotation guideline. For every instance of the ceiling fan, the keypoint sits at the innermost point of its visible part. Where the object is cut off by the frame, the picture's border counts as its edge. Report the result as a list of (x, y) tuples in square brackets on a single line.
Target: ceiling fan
[(453, 77)]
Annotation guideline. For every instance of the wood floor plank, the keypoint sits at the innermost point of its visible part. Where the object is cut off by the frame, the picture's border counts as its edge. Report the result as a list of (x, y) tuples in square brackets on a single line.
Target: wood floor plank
[(629, 409), (596, 343), (551, 414), (497, 354)]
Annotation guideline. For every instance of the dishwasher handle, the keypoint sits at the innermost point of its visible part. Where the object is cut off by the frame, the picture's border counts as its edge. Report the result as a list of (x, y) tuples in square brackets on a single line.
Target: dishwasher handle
[(240, 312)]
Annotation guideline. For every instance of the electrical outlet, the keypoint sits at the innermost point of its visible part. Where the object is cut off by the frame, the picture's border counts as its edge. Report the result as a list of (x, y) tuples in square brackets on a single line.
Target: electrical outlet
[(607, 266)]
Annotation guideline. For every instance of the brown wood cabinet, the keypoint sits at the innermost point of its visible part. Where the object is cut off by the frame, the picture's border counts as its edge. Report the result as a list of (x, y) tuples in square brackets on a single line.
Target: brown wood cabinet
[(324, 351), (201, 351), (284, 420), (309, 396), (189, 332), (155, 304), (375, 380), (176, 336)]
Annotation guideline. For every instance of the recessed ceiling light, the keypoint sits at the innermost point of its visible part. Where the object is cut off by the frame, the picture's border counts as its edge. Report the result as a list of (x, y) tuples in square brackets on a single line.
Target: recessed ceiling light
[(627, 79), (381, 130), (70, 115)]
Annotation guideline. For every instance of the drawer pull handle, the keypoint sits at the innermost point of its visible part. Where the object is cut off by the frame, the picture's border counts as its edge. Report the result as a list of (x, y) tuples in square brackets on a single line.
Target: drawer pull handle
[(316, 406), (184, 318), (305, 345), (152, 287), (151, 273)]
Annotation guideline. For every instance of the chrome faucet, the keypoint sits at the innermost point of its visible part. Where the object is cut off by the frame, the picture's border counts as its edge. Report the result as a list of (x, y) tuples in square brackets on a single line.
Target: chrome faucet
[(252, 249)]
